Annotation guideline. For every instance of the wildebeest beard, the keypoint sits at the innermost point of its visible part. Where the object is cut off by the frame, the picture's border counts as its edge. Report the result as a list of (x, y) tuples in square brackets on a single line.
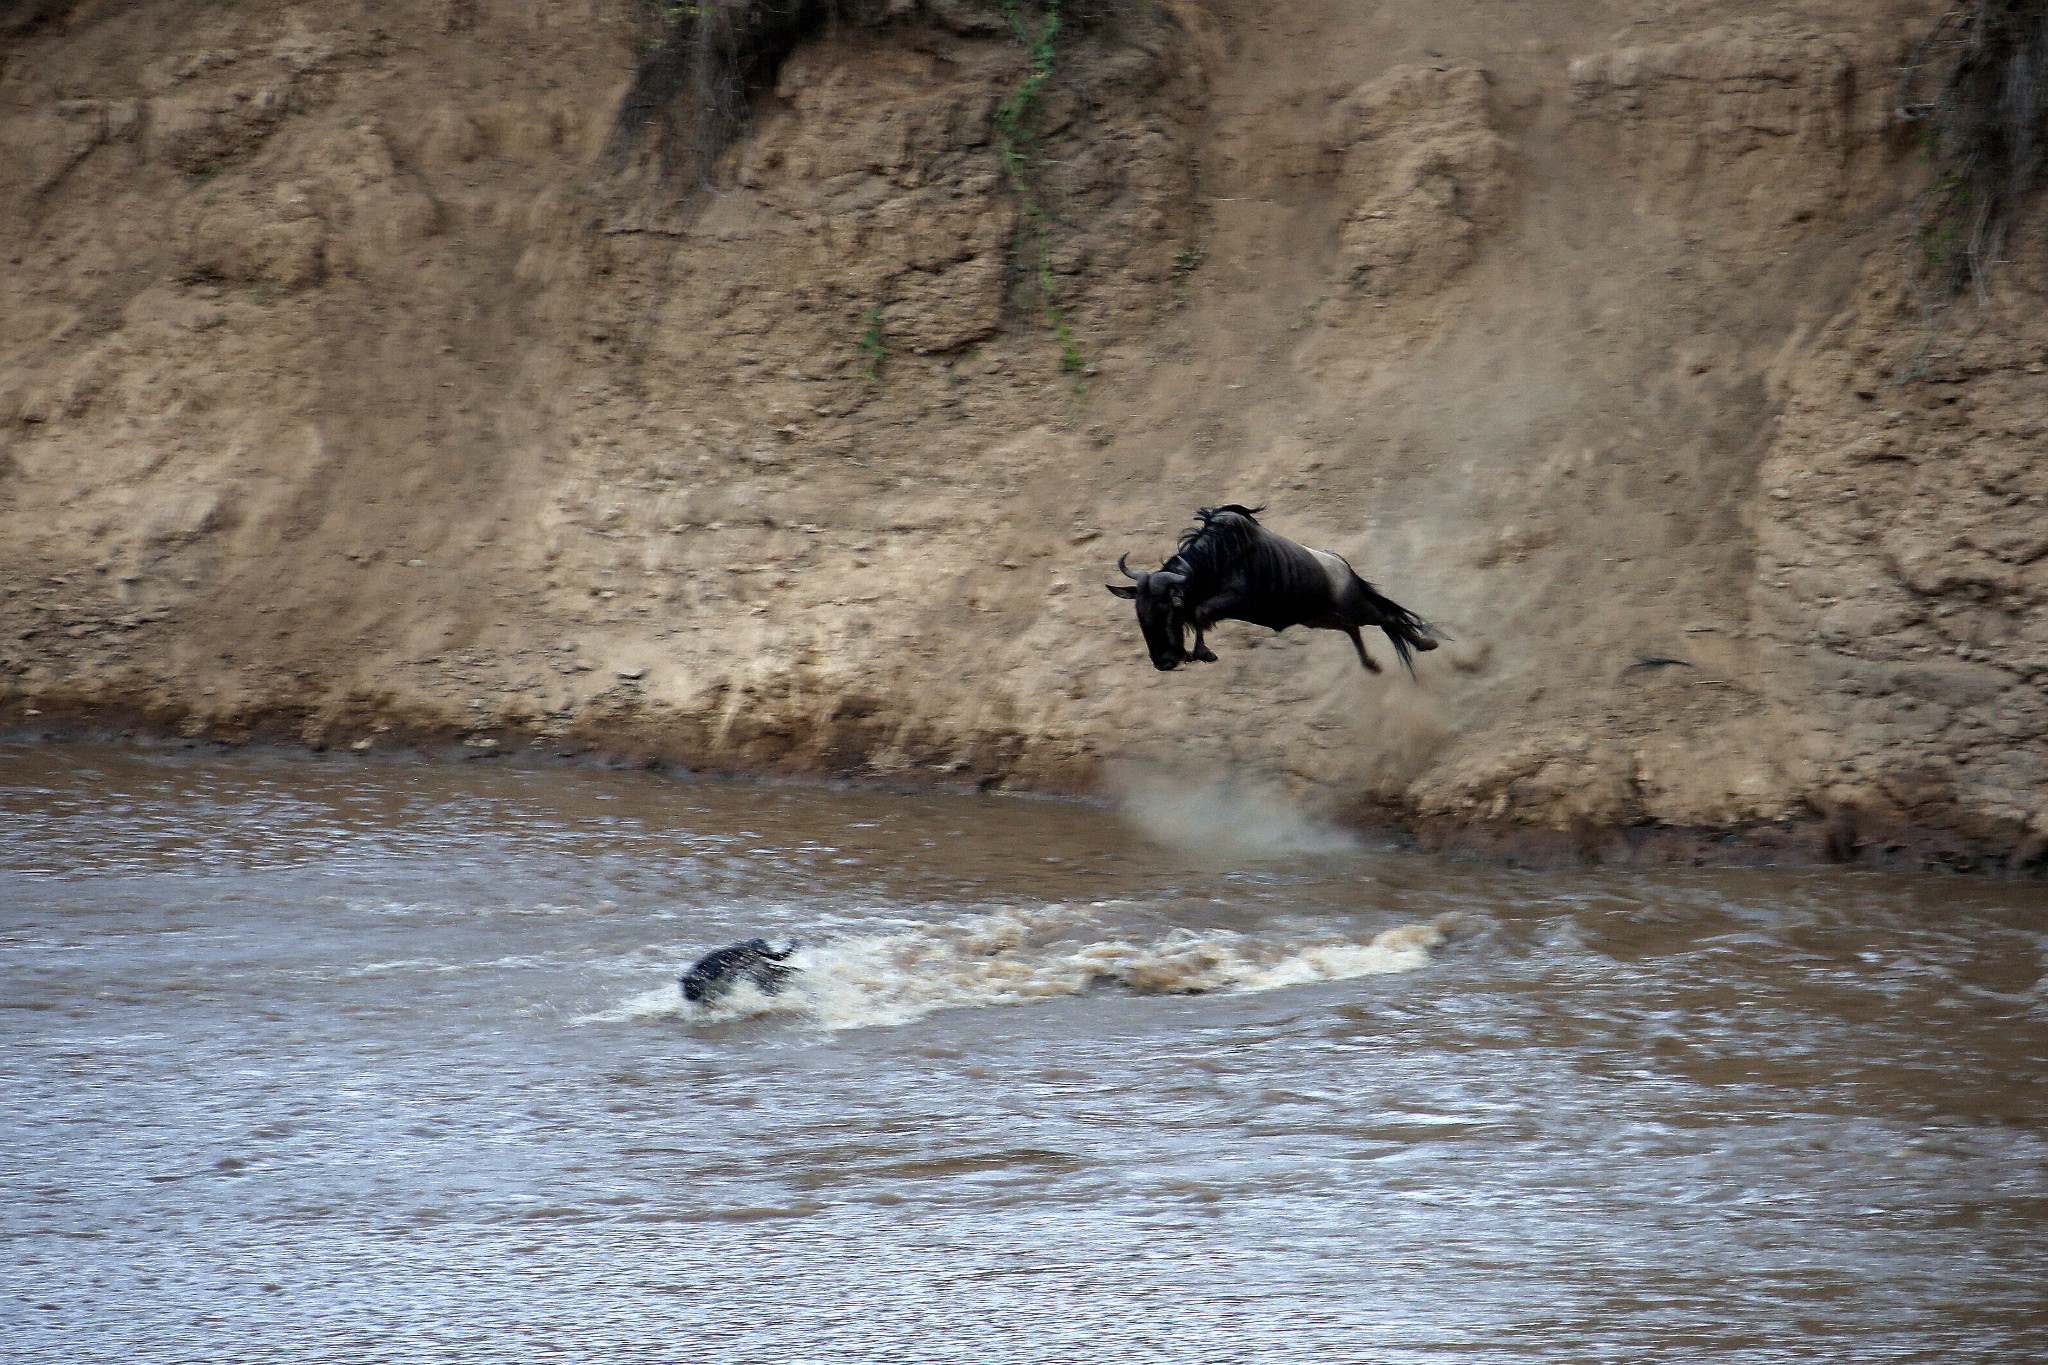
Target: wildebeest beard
[(1162, 619), (1162, 598)]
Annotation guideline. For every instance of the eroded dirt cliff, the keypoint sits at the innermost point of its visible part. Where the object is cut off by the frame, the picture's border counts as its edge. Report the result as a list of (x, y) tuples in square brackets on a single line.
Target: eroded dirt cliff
[(364, 378)]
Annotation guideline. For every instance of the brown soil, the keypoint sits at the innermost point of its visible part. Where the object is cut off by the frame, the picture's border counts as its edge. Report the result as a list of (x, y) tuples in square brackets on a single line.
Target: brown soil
[(355, 390)]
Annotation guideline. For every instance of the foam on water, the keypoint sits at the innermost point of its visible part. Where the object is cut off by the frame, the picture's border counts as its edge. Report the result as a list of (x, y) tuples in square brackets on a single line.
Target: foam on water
[(1019, 956)]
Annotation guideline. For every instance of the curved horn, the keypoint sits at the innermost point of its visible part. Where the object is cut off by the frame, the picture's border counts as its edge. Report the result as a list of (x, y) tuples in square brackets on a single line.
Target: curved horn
[(1168, 577), (1128, 571)]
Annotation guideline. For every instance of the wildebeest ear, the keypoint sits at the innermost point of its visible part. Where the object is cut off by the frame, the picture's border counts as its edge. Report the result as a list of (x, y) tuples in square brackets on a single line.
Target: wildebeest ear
[(1127, 591)]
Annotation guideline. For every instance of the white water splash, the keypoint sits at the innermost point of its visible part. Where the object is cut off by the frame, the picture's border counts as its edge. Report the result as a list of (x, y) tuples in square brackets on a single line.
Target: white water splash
[(1019, 956)]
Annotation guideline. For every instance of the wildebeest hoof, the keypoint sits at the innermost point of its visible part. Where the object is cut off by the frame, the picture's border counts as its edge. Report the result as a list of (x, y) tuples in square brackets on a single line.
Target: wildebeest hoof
[(1205, 655), (717, 972)]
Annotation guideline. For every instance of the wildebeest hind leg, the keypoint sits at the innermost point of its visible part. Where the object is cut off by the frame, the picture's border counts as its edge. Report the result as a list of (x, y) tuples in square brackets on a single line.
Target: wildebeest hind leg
[(1359, 645)]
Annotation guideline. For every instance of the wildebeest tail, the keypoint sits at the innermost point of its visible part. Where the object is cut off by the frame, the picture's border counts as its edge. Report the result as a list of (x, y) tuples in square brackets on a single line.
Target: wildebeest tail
[(1410, 634)]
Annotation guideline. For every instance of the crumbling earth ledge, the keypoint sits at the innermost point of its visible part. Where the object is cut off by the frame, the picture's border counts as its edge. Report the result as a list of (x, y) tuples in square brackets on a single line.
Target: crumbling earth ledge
[(1888, 840)]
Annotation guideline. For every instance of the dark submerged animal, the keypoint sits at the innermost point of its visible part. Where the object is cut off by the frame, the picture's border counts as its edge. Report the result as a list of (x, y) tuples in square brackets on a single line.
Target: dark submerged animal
[(1230, 568), (719, 971)]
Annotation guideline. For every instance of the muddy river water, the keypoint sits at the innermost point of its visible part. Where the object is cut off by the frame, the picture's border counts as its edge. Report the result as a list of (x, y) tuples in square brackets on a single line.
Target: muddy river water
[(333, 1060)]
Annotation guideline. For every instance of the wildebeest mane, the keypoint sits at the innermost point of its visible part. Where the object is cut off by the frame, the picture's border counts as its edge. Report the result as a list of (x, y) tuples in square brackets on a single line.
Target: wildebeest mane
[(1211, 548), (1226, 547)]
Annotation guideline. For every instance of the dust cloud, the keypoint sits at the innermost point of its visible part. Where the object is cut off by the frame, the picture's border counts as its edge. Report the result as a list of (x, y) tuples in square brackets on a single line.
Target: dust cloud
[(1230, 818)]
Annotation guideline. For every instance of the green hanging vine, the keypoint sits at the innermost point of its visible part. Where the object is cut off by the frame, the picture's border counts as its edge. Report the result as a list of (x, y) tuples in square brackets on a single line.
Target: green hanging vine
[(1017, 132)]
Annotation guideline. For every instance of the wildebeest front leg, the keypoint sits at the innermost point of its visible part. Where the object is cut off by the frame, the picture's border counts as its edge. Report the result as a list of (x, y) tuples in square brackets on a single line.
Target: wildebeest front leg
[(1221, 607)]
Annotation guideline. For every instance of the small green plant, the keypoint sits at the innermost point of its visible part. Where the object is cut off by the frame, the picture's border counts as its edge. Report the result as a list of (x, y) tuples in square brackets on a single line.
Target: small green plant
[(206, 176), (1070, 354), (1942, 241), (673, 17), (1186, 262), (1017, 135), (869, 344)]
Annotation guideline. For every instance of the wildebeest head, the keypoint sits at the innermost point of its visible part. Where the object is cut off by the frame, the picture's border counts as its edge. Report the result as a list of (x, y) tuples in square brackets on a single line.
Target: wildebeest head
[(1162, 611)]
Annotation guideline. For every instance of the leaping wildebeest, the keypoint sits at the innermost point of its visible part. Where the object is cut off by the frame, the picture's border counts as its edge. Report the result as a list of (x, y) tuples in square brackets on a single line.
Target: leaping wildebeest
[(1230, 568)]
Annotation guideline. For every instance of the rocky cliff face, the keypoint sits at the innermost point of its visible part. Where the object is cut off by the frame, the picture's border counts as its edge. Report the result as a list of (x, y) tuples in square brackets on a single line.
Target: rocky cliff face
[(418, 370)]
